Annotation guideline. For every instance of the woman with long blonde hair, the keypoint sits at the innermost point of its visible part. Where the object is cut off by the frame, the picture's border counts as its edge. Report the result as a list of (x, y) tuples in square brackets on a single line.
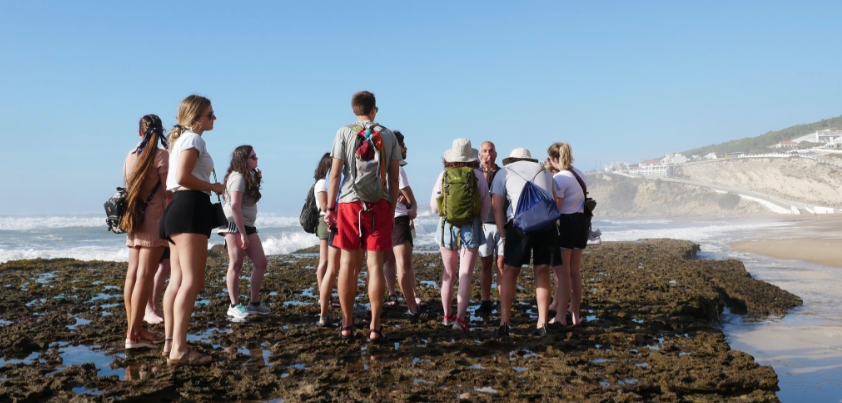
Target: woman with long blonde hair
[(145, 171), (187, 224)]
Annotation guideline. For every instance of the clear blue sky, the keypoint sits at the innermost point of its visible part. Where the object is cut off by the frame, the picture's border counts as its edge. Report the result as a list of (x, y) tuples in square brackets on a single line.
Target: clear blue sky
[(619, 80)]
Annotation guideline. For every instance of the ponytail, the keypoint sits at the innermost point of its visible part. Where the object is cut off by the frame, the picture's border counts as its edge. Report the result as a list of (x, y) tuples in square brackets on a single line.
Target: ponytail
[(153, 130)]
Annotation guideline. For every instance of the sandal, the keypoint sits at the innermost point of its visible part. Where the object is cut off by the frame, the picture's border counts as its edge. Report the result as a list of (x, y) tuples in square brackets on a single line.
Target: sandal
[(461, 324), (392, 300), (166, 353), (381, 338), (191, 357), (324, 321), (143, 341), (347, 337)]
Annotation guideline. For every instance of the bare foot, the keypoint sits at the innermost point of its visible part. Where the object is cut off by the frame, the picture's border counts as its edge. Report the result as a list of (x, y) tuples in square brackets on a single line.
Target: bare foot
[(152, 318)]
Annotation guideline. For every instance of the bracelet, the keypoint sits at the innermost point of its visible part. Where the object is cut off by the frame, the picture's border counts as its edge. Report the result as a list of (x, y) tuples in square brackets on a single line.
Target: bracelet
[(408, 206)]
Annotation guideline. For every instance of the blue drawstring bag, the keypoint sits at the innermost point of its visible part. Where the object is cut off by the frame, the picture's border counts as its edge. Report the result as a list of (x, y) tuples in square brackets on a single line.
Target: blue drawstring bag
[(536, 209)]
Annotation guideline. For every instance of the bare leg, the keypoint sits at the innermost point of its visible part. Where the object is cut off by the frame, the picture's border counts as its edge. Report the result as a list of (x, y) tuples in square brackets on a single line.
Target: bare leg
[(500, 266), (326, 287), (390, 272), (508, 289), (448, 258), (128, 287), (375, 286), (236, 256), (576, 283), (406, 274), (144, 276), (348, 266), (193, 257), (169, 296), (154, 314), (563, 287), (542, 292), (258, 260), (322, 268), (485, 277), (466, 271)]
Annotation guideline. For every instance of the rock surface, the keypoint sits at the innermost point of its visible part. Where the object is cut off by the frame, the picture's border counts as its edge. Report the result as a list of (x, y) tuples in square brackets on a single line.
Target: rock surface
[(650, 334)]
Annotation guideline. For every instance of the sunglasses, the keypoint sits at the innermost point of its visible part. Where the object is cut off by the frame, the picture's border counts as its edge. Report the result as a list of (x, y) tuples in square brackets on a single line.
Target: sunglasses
[(376, 109), (253, 157), (211, 115)]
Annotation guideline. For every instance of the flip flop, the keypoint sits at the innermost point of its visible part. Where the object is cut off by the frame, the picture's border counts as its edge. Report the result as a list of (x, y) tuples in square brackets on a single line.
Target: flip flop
[(191, 357), (391, 300), (347, 337), (166, 353), (381, 338)]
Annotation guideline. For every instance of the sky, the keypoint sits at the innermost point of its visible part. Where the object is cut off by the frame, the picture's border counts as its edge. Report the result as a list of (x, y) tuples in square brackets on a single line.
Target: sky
[(618, 80)]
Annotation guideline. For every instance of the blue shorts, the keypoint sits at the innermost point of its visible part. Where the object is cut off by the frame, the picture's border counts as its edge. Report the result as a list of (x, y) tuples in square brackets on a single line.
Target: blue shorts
[(467, 235)]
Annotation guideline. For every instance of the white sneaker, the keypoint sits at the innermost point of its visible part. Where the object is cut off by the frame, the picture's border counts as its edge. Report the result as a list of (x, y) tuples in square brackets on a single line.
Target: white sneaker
[(259, 309), (237, 312)]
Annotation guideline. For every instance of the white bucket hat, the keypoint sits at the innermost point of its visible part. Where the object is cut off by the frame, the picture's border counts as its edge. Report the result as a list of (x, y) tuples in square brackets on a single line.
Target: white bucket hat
[(519, 153), (461, 151)]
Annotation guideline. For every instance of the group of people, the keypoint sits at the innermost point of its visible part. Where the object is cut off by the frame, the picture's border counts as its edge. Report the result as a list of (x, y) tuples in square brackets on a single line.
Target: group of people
[(169, 220), (367, 208)]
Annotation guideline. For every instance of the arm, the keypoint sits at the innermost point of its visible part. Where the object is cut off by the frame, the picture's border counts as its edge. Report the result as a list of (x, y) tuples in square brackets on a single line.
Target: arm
[(434, 205), (332, 191), (236, 203), (409, 199), (485, 196), (394, 171), (321, 197), (184, 173), (499, 203)]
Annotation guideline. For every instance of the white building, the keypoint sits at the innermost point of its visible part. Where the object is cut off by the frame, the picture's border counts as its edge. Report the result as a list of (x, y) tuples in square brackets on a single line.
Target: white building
[(674, 159), (820, 136)]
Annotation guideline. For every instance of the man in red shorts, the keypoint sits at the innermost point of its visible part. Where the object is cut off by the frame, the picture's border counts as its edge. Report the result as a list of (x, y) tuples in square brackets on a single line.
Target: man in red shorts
[(367, 154)]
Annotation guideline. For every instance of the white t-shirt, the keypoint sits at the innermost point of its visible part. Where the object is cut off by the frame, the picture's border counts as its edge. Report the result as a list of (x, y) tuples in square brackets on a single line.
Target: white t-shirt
[(403, 183), (237, 183), (320, 187), (510, 180), (204, 165), (568, 188)]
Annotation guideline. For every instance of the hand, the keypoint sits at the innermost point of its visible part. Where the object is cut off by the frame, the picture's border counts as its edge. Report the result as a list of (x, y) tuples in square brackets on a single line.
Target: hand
[(413, 212), (411, 224), (244, 241), (401, 198), (218, 188), (330, 219), (258, 173)]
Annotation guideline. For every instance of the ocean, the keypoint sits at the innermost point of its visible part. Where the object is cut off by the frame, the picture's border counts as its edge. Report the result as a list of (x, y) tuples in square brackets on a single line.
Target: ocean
[(804, 346)]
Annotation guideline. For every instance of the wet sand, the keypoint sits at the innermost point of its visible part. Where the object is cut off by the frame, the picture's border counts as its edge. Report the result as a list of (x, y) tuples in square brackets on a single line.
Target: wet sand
[(813, 239), (651, 333)]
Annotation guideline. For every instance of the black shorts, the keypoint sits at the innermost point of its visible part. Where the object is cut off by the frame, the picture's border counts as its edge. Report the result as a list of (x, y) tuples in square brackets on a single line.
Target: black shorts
[(541, 246), (330, 236), (190, 212), (573, 231), (232, 229), (401, 233)]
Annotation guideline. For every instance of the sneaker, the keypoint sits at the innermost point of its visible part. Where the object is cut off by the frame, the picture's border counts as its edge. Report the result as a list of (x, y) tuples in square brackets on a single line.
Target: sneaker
[(324, 321), (463, 325), (237, 312), (259, 309), (484, 308), (503, 330), (448, 320), (540, 332), (422, 315)]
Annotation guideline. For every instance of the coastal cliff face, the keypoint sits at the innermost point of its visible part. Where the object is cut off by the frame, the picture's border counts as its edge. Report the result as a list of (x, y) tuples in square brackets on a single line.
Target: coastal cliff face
[(793, 178), (623, 197)]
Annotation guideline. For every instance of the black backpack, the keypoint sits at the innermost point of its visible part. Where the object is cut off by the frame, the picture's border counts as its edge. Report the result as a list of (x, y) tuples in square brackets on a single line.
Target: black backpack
[(115, 207), (309, 217)]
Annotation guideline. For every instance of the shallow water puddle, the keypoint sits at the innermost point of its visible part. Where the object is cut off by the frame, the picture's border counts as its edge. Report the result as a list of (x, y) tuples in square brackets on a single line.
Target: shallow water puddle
[(79, 322), (294, 302), (627, 381), (429, 284), (102, 295), (45, 277), (486, 389), (419, 381), (31, 358), (308, 292), (520, 369), (81, 354), (417, 360), (81, 390), (4, 322), (600, 360)]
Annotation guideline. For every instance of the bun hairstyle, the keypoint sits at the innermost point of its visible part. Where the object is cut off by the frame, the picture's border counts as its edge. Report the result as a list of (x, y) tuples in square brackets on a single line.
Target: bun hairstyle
[(239, 163), (153, 130), (189, 111), (563, 152)]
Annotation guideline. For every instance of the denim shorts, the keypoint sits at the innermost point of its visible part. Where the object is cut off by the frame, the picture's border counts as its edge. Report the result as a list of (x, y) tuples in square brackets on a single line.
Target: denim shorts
[(452, 236)]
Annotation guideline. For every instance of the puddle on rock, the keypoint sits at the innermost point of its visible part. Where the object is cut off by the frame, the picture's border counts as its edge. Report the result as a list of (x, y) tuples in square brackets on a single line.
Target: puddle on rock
[(79, 322)]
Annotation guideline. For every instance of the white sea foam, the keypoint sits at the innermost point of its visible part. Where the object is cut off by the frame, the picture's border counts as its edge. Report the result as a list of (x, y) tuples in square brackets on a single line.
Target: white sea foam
[(46, 222), (272, 220), (287, 243), (115, 254), (696, 232)]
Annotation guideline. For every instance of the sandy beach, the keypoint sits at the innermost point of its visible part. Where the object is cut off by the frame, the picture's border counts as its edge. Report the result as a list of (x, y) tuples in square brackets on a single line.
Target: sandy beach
[(813, 239)]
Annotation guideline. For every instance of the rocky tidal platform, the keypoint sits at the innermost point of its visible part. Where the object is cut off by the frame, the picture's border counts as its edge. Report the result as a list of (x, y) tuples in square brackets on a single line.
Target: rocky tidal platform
[(651, 334)]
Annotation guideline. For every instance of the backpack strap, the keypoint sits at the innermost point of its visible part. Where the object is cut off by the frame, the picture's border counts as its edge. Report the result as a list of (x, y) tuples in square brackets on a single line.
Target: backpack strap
[(581, 182)]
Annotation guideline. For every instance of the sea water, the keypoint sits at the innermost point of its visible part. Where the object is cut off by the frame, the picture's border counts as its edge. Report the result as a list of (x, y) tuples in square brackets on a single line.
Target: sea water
[(813, 368)]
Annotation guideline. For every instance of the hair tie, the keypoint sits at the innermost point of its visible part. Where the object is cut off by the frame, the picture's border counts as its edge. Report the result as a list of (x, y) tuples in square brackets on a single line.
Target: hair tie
[(148, 136)]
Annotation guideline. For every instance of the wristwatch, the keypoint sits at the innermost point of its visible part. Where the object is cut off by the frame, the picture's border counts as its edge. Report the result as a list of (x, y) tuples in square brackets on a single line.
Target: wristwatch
[(332, 209)]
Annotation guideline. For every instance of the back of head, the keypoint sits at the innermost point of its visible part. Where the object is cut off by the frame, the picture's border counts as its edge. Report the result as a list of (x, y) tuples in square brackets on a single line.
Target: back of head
[(363, 103), (189, 111), (399, 136), (322, 167), (563, 152)]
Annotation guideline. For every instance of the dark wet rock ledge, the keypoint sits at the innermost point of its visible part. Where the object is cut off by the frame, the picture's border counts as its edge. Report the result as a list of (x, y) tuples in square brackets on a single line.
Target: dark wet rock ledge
[(651, 334)]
